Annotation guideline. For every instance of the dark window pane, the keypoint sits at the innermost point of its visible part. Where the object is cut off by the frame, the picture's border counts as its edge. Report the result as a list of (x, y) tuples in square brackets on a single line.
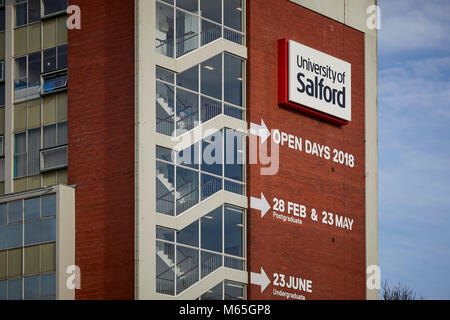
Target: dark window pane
[(49, 205), (21, 14), (32, 209), (2, 94), (62, 56), (234, 155), (212, 10), (212, 77), (212, 154), (189, 79), (50, 59), (189, 5), (212, 230), (34, 10), (189, 235)]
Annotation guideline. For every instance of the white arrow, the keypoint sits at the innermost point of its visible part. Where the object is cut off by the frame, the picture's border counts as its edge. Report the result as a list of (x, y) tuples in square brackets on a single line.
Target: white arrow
[(260, 279), (260, 204), (260, 130)]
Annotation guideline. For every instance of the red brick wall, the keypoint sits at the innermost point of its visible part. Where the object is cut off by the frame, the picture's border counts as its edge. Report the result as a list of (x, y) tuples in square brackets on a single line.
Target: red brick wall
[(101, 146), (334, 259)]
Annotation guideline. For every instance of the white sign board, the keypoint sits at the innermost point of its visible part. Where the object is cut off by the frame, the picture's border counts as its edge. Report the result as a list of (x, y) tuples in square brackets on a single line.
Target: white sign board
[(319, 81)]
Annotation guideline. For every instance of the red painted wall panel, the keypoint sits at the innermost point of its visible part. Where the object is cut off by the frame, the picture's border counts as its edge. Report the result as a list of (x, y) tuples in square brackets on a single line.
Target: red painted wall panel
[(333, 258), (101, 146)]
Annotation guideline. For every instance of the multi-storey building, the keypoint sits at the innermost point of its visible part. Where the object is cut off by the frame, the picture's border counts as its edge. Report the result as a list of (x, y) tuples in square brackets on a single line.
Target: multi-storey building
[(128, 168)]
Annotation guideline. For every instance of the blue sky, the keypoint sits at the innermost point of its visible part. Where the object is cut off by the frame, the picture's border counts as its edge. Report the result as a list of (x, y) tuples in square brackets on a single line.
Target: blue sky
[(414, 145)]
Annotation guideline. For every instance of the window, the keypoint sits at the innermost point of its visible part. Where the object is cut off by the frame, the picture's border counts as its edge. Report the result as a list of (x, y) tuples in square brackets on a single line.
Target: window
[(200, 171), (226, 290), (2, 71), (2, 18), (192, 24), (55, 58), (192, 97), (53, 7), (183, 259), (54, 83), (54, 151), (28, 248)]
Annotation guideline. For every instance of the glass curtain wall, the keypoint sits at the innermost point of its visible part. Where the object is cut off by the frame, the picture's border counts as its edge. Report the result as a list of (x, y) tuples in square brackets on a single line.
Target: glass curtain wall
[(185, 25), (186, 256)]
